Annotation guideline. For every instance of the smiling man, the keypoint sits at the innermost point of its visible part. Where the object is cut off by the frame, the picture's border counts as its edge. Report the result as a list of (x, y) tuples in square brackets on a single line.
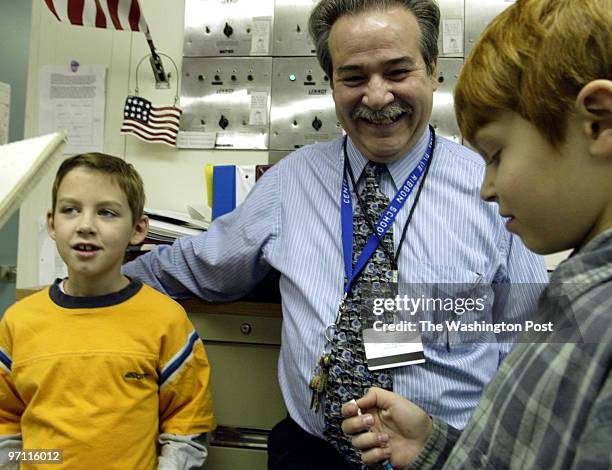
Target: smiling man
[(383, 88), (309, 218)]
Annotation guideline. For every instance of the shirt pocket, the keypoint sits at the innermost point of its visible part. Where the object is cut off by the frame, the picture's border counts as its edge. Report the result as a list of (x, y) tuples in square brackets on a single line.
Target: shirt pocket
[(451, 298)]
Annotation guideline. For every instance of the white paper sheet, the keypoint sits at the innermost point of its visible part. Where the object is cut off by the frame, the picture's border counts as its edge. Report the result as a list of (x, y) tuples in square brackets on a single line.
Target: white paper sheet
[(452, 36), (50, 264), (260, 38), (74, 102)]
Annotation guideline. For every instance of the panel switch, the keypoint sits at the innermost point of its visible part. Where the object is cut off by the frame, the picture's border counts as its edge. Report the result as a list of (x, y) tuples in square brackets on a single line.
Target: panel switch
[(228, 30), (223, 122), (317, 124)]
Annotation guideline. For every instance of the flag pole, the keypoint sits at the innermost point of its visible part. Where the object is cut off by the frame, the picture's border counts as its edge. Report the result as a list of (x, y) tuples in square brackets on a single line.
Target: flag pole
[(161, 79)]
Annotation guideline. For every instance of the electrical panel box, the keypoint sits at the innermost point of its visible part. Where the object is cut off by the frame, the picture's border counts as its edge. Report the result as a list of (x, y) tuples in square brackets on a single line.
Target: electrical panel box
[(478, 14), (291, 36), (443, 114), (302, 105), (228, 98), (452, 25), (228, 28)]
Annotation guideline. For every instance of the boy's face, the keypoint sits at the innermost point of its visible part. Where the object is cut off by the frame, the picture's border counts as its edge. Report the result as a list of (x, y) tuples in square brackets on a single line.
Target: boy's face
[(554, 198), (92, 226)]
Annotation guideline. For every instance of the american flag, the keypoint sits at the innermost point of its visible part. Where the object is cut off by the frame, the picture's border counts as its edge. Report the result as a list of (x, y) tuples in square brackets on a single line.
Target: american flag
[(108, 14), (151, 124), (111, 14)]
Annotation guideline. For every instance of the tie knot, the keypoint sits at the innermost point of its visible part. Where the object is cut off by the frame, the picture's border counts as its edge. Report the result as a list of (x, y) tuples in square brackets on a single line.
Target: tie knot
[(372, 173), (374, 170)]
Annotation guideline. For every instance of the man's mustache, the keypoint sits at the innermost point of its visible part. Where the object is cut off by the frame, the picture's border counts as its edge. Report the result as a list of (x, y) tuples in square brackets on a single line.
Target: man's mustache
[(389, 112)]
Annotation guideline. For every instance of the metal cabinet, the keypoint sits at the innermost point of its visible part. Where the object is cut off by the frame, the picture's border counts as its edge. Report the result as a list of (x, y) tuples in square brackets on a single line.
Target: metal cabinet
[(243, 353), (291, 36), (478, 14), (229, 97), (228, 28), (303, 109)]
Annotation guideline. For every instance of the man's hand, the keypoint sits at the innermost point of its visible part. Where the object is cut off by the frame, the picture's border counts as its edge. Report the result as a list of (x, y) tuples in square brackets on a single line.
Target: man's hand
[(399, 428)]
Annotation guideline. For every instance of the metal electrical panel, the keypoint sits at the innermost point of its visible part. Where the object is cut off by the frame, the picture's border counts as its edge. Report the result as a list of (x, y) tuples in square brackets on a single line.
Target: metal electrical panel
[(291, 36), (478, 14), (228, 28), (443, 114), (229, 97), (302, 105), (282, 100), (452, 25)]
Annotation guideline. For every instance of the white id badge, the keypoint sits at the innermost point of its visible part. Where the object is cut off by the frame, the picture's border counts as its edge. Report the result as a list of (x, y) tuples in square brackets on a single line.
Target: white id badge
[(385, 349), (388, 341)]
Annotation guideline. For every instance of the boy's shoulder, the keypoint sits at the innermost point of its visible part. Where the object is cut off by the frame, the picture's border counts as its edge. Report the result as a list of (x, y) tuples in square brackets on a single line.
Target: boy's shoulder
[(32, 304), (158, 303)]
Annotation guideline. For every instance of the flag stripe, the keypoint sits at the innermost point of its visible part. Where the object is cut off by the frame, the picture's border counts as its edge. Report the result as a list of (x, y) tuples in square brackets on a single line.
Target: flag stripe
[(103, 4), (168, 108), (114, 14), (75, 11), (170, 134), (113, 8), (52, 8), (143, 136), (61, 7), (129, 127), (171, 126), (123, 13), (100, 16), (135, 17), (165, 118), (89, 12)]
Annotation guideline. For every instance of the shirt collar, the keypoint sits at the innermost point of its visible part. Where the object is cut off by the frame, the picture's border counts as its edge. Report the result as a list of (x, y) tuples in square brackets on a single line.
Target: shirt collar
[(398, 169), (587, 267)]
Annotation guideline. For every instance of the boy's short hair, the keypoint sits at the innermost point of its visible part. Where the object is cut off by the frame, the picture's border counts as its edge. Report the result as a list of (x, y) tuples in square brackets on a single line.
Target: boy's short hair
[(124, 174), (534, 59)]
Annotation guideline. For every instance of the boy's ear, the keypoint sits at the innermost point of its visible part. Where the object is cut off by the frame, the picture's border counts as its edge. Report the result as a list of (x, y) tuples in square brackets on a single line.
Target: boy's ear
[(141, 228), (594, 103), (50, 224)]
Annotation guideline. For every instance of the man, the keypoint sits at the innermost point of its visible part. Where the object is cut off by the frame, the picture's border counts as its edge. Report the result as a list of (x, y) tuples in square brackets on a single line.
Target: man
[(381, 58)]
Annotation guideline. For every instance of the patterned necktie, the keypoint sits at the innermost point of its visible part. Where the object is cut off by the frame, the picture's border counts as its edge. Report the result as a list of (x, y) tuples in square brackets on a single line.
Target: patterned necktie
[(349, 376)]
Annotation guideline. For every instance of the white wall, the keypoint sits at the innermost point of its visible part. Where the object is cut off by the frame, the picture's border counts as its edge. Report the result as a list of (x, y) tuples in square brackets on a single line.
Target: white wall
[(173, 178)]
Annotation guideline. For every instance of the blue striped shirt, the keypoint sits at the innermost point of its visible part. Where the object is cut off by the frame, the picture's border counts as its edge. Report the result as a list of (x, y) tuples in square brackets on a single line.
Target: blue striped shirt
[(290, 221)]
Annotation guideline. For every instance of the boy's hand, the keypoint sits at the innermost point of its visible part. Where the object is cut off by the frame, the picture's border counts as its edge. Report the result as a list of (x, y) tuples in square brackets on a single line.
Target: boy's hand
[(399, 428)]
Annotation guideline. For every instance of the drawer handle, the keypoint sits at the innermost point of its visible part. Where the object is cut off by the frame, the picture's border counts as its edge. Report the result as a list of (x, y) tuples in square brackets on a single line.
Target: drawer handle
[(245, 438), (246, 328)]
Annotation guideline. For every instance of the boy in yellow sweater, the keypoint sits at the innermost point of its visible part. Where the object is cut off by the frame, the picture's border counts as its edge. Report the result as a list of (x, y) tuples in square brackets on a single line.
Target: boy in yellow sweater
[(98, 370)]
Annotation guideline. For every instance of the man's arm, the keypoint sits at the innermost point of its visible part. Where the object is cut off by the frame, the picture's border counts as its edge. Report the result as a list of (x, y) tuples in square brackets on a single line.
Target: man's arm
[(225, 262), (399, 431)]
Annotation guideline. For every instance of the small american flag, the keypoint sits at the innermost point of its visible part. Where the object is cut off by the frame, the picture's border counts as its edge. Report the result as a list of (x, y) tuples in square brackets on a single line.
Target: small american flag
[(111, 14), (148, 123)]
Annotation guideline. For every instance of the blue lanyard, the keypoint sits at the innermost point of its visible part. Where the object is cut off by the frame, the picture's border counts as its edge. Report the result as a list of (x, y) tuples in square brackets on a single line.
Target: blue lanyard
[(384, 222)]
